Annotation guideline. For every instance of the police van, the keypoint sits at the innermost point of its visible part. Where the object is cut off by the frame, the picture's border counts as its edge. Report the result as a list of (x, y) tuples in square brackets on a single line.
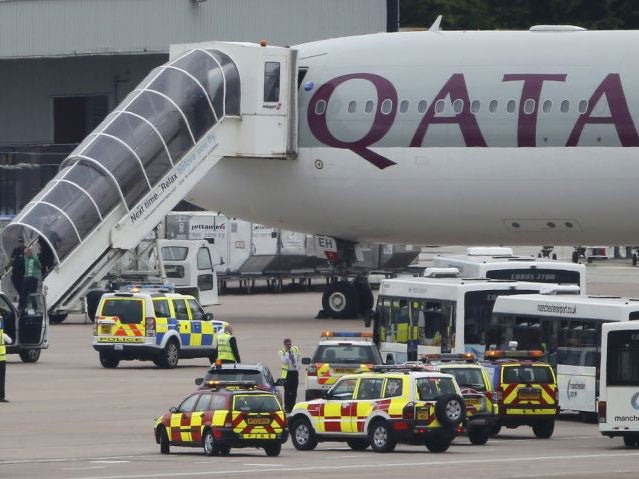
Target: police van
[(27, 329), (155, 325)]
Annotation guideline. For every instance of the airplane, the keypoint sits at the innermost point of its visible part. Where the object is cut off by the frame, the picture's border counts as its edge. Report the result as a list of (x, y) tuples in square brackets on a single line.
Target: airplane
[(433, 137)]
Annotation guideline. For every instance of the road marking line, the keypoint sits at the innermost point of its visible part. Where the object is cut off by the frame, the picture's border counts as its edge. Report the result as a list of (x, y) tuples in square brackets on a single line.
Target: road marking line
[(452, 462), (80, 468), (110, 462), (264, 465)]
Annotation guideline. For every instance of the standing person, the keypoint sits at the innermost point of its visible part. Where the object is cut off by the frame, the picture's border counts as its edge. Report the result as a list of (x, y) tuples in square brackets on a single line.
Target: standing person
[(291, 360), (4, 339), (227, 351), (32, 269), (45, 256), (16, 263)]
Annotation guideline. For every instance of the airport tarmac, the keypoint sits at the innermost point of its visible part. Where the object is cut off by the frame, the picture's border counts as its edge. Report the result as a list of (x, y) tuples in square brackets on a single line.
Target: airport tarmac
[(70, 418)]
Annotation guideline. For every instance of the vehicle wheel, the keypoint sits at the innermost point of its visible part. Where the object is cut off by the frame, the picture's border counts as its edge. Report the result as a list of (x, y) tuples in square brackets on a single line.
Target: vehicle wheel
[(380, 436), (366, 300), (543, 430), (211, 448), (30, 355), (57, 318), (93, 299), (165, 447), (273, 450), (450, 410), (170, 355), (108, 361), (495, 430), (629, 441), (340, 301), (358, 444), (303, 435), (478, 436), (438, 444)]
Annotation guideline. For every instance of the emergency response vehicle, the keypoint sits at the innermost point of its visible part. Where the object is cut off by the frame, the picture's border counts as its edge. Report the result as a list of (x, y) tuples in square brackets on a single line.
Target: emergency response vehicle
[(398, 404), (154, 325), (27, 329), (338, 353), (476, 389), (229, 414), (525, 390)]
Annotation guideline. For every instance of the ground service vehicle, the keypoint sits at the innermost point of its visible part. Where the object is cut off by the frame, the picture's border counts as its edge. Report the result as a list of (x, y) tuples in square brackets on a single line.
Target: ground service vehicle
[(525, 390), (380, 409), (416, 316), (338, 353), (618, 407), (476, 389), (153, 325), (501, 263), (27, 329), (568, 330), (259, 373), (226, 415)]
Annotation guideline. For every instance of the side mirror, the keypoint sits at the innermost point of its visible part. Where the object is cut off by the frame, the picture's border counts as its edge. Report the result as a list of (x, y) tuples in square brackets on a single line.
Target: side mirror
[(173, 410), (199, 381), (208, 316), (281, 382), (390, 359), (306, 361), (325, 394)]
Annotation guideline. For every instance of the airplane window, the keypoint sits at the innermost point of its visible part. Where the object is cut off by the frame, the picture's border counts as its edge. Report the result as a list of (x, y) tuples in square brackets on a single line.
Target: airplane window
[(565, 106), (387, 106), (439, 106), (422, 106), (403, 106), (352, 107), (529, 106), (492, 107), (369, 106), (458, 106), (547, 106), (583, 106), (320, 107), (474, 106), (511, 106)]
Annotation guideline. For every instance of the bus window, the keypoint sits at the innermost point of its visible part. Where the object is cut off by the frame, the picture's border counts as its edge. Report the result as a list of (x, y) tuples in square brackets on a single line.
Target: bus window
[(576, 339), (435, 323), (622, 358), (381, 327), (399, 320)]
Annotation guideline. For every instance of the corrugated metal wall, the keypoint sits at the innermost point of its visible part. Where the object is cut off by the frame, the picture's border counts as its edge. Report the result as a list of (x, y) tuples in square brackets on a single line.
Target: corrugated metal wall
[(66, 27)]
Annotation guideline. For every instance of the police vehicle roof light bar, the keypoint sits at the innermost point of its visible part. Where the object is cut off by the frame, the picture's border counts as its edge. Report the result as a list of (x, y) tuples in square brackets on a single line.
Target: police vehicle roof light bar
[(345, 334), (522, 354), (449, 357)]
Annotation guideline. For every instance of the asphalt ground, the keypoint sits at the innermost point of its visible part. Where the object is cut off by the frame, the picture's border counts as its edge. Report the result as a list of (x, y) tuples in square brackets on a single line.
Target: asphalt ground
[(70, 418)]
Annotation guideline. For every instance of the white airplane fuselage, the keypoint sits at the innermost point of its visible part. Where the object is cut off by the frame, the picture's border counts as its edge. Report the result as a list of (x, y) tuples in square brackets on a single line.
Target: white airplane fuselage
[(454, 138)]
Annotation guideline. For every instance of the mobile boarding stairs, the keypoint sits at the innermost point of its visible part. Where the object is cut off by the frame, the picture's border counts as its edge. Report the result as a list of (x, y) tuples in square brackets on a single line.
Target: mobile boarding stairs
[(210, 101)]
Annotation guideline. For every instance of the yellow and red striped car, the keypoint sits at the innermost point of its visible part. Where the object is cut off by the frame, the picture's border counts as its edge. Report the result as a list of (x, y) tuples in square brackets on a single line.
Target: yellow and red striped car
[(381, 409), (228, 415), (525, 390)]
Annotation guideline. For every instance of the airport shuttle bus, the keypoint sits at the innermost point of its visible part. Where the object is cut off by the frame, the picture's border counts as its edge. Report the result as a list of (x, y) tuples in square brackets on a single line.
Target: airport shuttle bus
[(619, 395), (568, 330), (424, 315), (501, 263)]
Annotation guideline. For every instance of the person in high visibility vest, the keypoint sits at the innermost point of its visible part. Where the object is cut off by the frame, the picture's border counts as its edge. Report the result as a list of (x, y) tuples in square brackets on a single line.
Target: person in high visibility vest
[(291, 361), (227, 351), (4, 339)]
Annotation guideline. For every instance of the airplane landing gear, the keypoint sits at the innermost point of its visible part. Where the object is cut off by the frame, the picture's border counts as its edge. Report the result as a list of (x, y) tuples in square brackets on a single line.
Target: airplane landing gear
[(347, 299)]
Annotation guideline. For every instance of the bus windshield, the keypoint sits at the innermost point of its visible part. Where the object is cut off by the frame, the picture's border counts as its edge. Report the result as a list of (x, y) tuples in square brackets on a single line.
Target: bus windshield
[(622, 359)]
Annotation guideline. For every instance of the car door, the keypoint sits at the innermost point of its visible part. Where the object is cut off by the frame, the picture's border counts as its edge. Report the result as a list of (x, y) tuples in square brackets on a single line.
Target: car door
[(367, 398), (180, 425), (202, 329), (198, 417), (9, 316), (337, 413), (184, 321)]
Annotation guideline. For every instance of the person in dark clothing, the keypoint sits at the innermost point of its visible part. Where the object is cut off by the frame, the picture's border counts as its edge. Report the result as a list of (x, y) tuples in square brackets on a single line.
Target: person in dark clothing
[(16, 263), (46, 257)]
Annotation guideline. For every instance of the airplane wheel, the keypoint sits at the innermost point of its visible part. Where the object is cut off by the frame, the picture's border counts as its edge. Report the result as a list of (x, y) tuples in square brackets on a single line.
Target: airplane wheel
[(341, 301)]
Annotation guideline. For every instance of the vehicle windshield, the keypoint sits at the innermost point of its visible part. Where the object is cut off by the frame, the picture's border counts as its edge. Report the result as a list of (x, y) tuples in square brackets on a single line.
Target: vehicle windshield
[(129, 311), (255, 403), (527, 375), (347, 354), (467, 377), (431, 389), (235, 375)]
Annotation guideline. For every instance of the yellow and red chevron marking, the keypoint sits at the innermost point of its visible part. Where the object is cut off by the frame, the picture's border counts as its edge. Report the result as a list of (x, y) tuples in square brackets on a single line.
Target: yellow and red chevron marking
[(129, 330), (324, 372), (547, 395)]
